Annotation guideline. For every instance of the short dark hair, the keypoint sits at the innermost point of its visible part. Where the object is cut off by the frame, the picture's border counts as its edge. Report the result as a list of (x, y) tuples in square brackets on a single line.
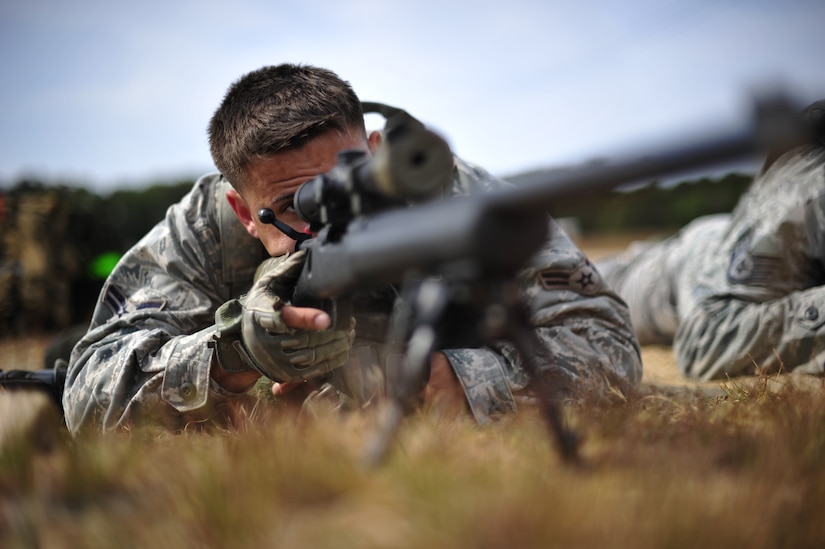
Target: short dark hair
[(277, 108)]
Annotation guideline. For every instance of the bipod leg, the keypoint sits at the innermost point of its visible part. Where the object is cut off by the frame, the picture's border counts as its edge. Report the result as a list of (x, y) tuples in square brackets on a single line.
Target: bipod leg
[(507, 318), (427, 300), (528, 345)]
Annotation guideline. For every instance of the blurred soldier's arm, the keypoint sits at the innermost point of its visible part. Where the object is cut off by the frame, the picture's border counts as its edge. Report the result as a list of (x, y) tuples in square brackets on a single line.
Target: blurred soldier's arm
[(758, 303)]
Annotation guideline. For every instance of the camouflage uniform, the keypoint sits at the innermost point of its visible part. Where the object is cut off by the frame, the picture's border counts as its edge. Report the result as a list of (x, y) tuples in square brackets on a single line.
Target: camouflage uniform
[(147, 352), (739, 293)]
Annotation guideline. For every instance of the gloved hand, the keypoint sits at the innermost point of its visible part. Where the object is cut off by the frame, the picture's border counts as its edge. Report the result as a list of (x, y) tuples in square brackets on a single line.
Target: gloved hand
[(251, 334)]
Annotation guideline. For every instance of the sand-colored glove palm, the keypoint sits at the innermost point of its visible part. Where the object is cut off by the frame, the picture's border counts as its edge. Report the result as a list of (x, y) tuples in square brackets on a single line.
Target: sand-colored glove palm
[(275, 350)]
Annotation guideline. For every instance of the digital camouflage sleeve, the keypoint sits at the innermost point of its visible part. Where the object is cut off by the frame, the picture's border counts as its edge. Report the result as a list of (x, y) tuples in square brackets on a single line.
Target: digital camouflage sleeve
[(740, 293), (146, 356), (758, 302)]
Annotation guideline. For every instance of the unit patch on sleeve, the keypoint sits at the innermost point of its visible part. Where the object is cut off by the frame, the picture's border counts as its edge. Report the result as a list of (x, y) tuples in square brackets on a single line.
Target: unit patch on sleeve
[(746, 267)]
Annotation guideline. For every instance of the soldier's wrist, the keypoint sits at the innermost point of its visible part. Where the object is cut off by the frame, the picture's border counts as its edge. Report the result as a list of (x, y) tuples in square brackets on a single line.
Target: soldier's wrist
[(233, 382), (228, 351)]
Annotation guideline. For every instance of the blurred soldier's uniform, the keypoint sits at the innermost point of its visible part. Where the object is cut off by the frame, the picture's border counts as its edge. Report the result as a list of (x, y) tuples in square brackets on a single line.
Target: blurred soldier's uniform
[(147, 352), (740, 293)]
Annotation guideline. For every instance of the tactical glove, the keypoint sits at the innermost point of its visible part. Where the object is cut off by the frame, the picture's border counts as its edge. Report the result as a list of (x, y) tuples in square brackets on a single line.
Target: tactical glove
[(250, 333)]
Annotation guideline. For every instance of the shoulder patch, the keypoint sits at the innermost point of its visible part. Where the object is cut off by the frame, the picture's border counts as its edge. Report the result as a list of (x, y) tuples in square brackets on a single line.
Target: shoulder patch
[(584, 279), (117, 302), (748, 268)]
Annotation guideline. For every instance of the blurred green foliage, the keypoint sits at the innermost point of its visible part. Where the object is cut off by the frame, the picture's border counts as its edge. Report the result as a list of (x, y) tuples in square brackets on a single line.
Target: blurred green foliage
[(654, 206), (98, 229), (105, 223)]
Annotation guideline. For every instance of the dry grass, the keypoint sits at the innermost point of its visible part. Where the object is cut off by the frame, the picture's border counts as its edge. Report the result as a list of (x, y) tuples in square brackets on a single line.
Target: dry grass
[(736, 464), (666, 465)]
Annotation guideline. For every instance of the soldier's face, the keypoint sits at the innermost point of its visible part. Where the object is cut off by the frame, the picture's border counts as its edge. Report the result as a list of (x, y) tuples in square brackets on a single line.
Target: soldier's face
[(272, 182)]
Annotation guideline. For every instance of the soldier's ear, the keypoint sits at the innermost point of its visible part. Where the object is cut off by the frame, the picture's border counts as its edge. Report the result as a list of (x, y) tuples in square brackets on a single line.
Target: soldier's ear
[(374, 141), (242, 211)]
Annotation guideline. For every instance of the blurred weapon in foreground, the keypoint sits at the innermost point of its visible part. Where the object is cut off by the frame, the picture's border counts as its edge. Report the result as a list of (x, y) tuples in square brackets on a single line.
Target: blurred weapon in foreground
[(378, 220)]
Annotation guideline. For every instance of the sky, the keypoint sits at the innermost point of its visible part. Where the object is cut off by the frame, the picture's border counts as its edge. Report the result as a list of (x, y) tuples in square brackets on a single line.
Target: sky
[(118, 94)]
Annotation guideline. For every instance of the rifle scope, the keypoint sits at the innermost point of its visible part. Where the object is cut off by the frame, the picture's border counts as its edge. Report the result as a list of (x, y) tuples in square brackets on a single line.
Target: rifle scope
[(412, 165)]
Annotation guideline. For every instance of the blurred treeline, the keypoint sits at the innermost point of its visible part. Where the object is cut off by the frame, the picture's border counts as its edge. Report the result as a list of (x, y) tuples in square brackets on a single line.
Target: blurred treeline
[(54, 235), (55, 240), (653, 206)]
